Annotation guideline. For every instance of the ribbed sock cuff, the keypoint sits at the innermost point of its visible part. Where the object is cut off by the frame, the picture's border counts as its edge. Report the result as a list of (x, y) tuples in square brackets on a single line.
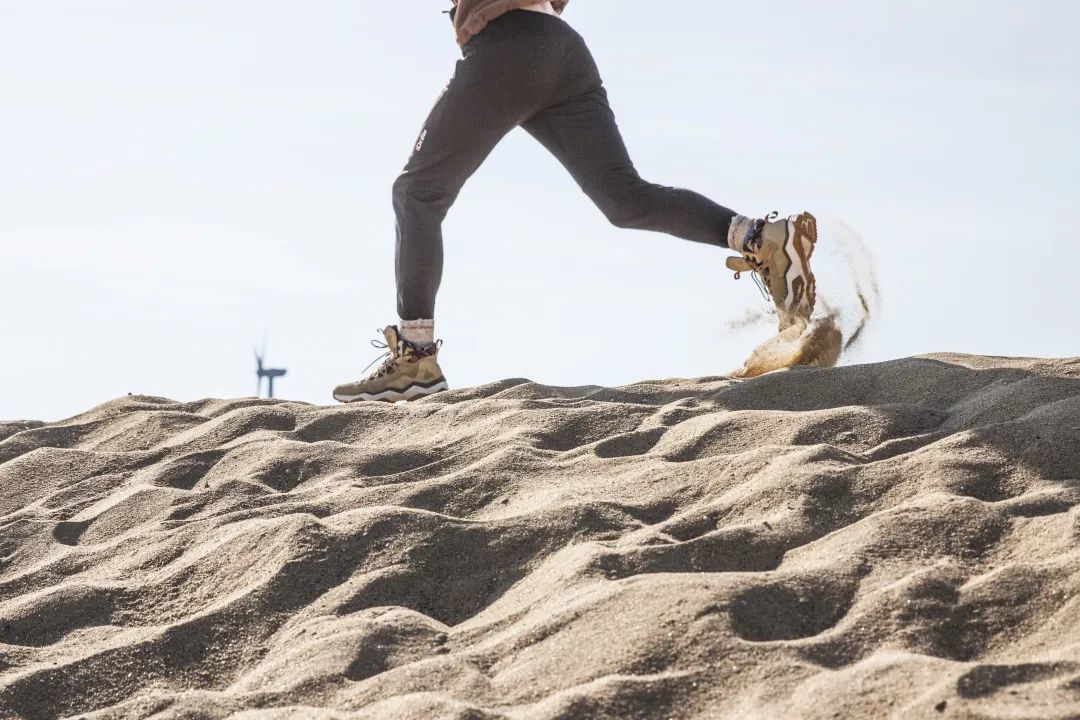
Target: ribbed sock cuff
[(418, 332), (741, 227)]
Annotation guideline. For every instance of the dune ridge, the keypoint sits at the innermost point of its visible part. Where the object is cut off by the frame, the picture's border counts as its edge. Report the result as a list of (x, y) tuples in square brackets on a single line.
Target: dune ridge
[(897, 539)]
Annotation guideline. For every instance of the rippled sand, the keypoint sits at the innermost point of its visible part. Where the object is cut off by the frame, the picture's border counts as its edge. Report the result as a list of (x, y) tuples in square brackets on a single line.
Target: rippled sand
[(900, 539)]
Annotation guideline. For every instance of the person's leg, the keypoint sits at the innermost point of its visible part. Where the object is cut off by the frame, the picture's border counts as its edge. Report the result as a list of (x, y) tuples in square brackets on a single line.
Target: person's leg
[(582, 134), (477, 108), (579, 128), (473, 113)]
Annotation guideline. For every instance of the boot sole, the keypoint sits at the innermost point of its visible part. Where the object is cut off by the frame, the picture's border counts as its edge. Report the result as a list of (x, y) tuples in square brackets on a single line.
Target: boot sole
[(800, 245), (412, 392)]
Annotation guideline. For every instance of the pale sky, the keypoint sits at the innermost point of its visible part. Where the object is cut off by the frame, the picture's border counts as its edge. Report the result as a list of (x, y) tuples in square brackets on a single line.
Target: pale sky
[(179, 178)]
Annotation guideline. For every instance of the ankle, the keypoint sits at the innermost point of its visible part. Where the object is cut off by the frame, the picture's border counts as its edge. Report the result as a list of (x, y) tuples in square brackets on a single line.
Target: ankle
[(741, 229), (418, 332)]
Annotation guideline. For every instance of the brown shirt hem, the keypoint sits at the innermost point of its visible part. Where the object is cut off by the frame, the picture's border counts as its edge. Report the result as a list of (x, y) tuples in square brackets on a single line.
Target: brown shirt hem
[(473, 15)]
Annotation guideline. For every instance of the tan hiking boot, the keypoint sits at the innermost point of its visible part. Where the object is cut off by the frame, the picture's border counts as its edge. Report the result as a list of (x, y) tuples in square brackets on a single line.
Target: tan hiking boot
[(408, 372), (778, 251)]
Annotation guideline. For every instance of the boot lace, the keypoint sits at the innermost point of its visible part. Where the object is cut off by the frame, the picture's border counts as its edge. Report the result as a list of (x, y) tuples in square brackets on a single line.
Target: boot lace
[(759, 271), (407, 351), (389, 361)]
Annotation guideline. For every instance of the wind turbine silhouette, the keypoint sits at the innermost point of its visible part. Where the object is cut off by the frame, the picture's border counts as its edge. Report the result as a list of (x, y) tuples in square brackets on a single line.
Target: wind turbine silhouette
[(264, 372)]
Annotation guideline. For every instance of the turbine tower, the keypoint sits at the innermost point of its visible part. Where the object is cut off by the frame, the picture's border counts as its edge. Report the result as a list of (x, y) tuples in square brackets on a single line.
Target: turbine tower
[(265, 372)]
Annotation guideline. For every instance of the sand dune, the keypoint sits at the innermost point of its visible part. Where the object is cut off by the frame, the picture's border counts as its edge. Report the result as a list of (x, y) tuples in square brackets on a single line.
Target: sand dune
[(899, 539)]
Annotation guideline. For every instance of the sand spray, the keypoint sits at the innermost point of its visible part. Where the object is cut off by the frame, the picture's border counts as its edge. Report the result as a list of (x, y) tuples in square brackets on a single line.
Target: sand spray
[(848, 300)]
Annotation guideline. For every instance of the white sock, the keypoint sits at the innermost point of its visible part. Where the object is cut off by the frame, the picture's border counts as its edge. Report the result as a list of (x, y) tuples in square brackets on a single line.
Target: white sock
[(738, 232), (418, 332)]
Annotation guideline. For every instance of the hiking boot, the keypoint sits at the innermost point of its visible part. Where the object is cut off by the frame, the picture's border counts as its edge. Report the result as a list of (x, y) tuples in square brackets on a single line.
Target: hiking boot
[(408, 372), (778, 252)]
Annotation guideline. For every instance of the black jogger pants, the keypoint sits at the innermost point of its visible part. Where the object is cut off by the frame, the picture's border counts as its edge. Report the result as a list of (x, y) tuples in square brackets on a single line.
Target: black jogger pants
[(532, 70)]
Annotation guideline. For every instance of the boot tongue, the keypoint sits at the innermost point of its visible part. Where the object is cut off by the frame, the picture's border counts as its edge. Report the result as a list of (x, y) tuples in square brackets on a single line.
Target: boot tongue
[(392, 338)]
